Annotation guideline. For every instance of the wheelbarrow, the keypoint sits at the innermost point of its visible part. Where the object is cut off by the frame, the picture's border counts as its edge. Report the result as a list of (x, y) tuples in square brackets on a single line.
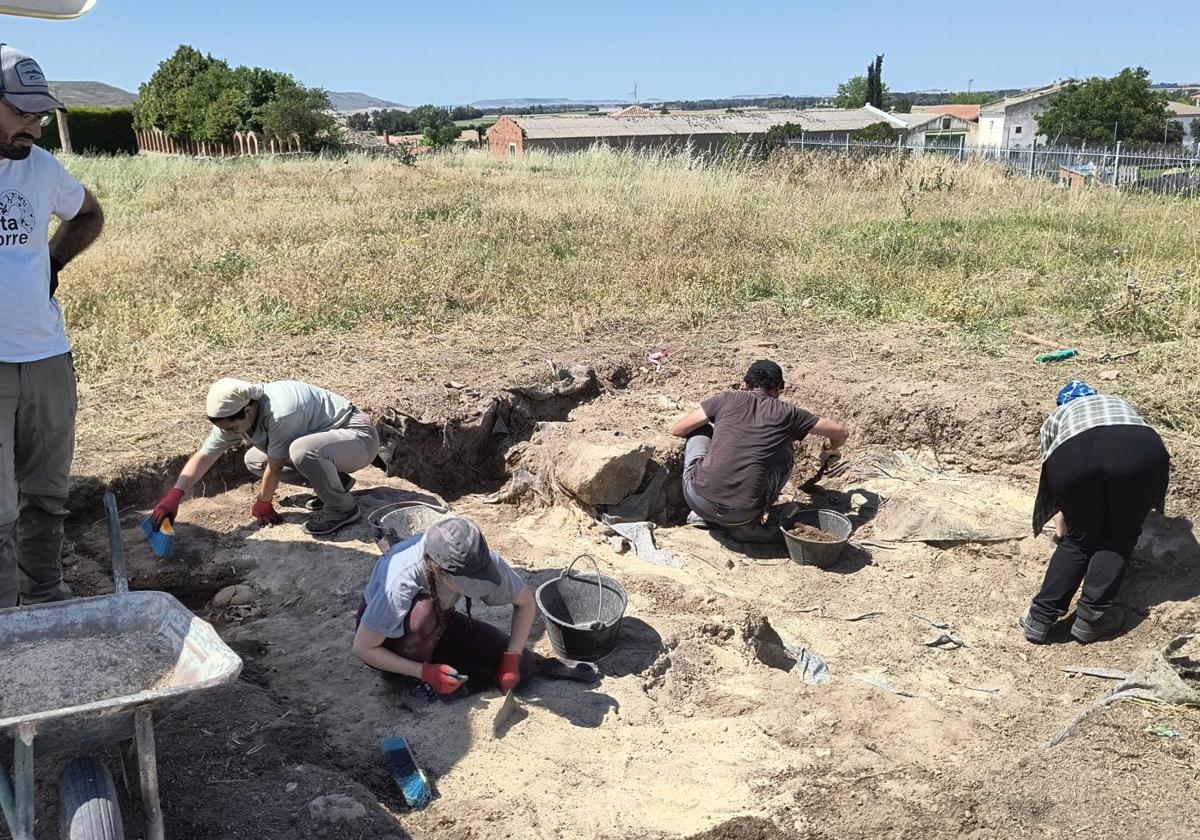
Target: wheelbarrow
[(88, 807)]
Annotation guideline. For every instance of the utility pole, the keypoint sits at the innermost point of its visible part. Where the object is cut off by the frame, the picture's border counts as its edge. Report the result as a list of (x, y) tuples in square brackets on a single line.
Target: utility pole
[(64, 133), (969, 83)]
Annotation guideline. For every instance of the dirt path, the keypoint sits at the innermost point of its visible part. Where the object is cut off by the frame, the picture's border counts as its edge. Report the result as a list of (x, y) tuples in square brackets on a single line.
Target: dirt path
[(690, 732)]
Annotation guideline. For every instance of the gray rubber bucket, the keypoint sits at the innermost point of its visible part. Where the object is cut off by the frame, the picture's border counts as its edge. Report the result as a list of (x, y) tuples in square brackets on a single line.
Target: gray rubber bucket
[(397, 522), (812, 552), (582, 612)]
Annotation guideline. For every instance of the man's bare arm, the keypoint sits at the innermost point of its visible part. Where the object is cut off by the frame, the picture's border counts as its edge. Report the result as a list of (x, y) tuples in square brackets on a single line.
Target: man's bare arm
[(689, 422), (74, 235)]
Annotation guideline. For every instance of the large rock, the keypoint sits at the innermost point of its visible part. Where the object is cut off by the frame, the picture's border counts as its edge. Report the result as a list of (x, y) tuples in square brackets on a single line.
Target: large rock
[(337, 808), (602, 470)]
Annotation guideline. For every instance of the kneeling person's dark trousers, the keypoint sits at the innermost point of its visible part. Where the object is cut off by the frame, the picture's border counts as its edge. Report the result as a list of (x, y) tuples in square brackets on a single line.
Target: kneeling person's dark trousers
[(1104, 480)]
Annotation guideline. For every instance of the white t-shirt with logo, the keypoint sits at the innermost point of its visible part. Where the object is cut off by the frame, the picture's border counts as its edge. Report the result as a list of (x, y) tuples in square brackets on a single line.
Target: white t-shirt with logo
[(31, 323)]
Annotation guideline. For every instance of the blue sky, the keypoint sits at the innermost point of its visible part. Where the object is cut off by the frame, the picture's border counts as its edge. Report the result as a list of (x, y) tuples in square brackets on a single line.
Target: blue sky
[(462, 50)]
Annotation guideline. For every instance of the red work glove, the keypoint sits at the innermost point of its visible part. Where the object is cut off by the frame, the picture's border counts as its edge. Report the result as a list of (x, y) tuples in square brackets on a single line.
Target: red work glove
[(265, 513), (509, 673), (441, 678), (168, 505)]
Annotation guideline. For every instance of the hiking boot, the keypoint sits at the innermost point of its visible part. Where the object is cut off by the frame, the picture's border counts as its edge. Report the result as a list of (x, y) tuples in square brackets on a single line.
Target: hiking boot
[(696, 520), (318, 503), (325, 522), (755, 533), (1105, 627), (1035, 631)]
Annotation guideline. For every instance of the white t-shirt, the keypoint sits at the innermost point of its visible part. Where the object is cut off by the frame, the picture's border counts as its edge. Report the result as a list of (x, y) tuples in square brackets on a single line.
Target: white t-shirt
[(31, 323)]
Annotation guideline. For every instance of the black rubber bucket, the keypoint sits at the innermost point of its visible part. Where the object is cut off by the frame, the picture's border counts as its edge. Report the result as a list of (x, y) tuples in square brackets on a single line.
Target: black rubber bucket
[(813, 552), (394, 523), (582, 612)]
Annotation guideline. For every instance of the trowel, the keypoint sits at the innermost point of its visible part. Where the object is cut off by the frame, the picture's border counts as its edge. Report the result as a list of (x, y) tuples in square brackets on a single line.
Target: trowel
[(508, 708)]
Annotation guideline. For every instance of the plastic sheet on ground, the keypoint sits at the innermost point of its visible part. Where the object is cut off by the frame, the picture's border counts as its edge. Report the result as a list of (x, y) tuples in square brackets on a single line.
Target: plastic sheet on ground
[(921, 504), (809, 667), (1170, 676), (641, 536)]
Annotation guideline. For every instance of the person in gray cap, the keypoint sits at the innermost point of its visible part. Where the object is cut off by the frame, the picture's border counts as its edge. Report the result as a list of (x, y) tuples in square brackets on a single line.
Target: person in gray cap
[(298, 433), (738, 454), (37, 374), (407, 623)]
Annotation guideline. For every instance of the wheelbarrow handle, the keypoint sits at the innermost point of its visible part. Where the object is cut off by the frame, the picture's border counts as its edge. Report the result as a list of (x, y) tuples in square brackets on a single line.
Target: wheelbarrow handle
[(120, 577), (599, 583)]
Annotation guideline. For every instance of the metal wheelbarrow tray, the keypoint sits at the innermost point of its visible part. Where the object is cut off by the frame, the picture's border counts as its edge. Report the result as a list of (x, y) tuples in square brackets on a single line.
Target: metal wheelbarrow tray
[(201, 660)]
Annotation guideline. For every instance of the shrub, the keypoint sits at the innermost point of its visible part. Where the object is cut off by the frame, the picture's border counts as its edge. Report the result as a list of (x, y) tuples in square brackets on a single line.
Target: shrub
[(106, 131)]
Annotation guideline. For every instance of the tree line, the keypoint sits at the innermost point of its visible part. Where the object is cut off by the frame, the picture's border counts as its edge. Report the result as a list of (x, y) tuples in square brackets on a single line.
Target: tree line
[(435, 124), (194, 96)]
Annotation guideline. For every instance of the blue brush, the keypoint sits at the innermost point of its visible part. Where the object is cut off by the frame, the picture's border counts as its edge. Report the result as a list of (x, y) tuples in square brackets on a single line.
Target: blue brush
[(409, 777), (162, 538)]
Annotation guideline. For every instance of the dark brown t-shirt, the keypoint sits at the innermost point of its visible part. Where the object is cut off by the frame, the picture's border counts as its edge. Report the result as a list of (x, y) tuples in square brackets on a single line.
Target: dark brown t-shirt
[(749, 427)]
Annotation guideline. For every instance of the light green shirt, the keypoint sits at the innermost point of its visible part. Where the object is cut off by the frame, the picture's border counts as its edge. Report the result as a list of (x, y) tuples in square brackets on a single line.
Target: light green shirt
[(288, 410)]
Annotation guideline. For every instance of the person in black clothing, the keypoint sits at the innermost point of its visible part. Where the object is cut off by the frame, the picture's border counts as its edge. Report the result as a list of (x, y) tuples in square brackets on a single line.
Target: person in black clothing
[(739, 452), (1103, 469)]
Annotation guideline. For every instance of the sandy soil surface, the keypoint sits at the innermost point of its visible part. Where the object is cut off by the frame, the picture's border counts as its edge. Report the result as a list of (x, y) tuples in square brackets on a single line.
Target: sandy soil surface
[(694, 730)]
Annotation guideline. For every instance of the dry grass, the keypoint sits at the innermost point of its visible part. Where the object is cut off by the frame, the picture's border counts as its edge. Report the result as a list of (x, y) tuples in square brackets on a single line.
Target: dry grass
[(213, 258)]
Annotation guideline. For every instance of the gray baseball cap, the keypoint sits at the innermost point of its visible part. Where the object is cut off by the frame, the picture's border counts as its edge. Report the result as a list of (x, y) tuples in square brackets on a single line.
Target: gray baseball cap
[(23, 83), (457, 547)]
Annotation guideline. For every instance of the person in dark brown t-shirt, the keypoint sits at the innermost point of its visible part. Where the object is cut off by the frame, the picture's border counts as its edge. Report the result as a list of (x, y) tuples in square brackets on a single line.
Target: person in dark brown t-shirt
[(739, 451)]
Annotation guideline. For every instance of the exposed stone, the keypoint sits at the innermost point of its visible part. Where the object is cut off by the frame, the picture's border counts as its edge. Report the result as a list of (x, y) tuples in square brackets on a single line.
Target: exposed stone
[(337, 808), (233, 596), (602, 470)]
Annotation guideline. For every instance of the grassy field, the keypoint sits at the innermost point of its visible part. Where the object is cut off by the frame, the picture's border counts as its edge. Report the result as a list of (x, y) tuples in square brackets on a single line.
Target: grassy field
[(204, 255)]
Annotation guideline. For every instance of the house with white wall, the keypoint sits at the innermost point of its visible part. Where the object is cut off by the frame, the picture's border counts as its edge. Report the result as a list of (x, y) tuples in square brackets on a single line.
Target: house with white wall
[(1011, 121), (1185, 115)]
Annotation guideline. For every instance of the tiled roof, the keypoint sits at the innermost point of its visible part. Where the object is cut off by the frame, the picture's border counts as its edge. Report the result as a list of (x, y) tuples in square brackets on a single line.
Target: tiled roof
[(683, 124), (1181, 110), (970, 113), (632, 111), (1018, 98)]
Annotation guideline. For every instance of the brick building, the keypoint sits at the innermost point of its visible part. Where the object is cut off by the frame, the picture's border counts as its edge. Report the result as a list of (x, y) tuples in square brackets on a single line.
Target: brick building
[(514, 136)]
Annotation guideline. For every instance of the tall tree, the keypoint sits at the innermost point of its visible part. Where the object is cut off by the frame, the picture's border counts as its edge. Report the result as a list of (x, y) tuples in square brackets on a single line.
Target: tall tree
[(875, 82), (1101, 110), (163, 100), (302, 110), (858, 91)]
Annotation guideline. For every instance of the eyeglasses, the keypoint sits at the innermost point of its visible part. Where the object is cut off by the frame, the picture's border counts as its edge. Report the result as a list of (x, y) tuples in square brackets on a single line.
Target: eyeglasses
[(42, 117)]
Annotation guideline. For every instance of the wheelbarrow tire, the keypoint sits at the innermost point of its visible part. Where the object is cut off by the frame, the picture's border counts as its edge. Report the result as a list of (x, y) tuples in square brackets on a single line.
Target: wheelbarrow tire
[(87, 802)]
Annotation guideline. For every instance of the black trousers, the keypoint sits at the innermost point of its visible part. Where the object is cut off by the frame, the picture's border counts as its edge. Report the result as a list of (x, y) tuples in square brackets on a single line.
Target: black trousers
[(1104, 481)]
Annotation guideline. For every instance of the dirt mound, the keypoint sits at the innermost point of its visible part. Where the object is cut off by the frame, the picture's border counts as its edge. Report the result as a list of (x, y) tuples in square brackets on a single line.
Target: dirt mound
[(703, 725), (743, 828)]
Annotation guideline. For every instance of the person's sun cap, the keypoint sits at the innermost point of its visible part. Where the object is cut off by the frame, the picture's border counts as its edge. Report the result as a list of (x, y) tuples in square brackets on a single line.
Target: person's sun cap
[(23, 84), (1073, 390), (458, 548), (228, 396)]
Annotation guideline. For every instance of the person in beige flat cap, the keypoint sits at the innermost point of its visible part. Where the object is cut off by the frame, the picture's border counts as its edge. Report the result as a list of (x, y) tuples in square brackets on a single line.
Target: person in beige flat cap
[(297, 432)]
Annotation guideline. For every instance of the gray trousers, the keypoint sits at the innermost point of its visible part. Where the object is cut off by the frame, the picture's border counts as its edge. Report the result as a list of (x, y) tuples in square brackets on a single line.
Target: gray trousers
[(318, 458), (37, 443), (697, 447)]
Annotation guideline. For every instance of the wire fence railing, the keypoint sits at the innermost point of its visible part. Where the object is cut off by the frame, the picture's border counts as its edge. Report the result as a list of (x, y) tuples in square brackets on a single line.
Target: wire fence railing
[(1165, 170)]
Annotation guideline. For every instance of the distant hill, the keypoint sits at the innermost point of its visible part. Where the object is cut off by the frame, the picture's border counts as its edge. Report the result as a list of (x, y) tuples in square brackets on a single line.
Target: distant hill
[(492, 104), (350, 102), (92, 95)]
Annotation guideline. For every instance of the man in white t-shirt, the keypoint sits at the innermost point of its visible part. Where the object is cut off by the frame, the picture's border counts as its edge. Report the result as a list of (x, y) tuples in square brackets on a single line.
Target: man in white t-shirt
[(37, 376)]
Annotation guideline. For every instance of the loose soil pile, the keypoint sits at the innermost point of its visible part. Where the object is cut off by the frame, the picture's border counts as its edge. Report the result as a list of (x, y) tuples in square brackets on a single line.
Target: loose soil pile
[(808, 532), (692, 731), (39, 676)]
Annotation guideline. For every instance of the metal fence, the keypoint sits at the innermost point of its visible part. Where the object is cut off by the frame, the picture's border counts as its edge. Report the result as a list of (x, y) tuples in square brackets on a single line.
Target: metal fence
[(1165, 170)]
